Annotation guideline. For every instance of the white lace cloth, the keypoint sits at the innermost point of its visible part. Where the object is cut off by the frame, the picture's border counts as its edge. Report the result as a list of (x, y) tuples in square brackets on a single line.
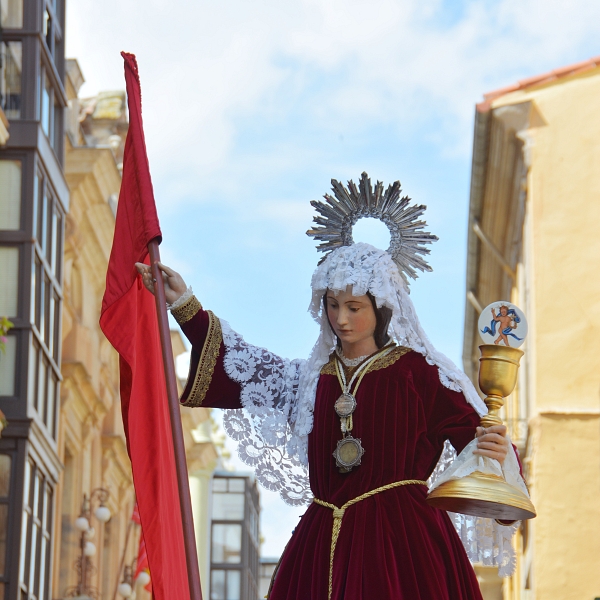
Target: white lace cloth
[(278, 395), (486, 541)]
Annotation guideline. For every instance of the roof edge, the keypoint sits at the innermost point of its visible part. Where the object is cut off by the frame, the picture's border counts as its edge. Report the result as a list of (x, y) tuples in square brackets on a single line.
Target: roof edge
[(523, 84)]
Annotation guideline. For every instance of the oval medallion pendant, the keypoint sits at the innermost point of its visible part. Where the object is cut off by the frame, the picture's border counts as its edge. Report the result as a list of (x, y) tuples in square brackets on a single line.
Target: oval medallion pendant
[(348, 453), (345, 405)]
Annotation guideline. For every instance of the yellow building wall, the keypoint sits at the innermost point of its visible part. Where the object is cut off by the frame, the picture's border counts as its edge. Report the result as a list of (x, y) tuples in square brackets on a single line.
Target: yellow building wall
[(562, 363)]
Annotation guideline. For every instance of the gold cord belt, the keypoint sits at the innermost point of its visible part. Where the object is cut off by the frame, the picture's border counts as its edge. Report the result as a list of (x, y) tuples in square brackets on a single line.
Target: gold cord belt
[(338, 515)]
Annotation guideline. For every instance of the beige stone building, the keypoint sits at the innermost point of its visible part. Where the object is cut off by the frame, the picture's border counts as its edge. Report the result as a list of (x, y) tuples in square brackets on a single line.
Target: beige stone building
[(533, 240)]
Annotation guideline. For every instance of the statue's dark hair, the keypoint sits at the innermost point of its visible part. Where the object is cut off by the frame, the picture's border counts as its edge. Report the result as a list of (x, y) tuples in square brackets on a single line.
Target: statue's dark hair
[(383, 315)]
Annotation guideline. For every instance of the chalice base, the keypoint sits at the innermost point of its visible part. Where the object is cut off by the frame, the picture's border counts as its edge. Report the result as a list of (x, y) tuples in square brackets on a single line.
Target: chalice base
[(482, 495)]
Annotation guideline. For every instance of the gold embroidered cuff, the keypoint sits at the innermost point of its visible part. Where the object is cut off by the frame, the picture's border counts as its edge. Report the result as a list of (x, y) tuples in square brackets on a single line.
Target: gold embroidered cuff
[(207, 362), (187, 310)]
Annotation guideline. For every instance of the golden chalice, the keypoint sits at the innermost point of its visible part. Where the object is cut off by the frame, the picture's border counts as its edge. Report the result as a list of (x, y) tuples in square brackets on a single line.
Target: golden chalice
[(488, 494)]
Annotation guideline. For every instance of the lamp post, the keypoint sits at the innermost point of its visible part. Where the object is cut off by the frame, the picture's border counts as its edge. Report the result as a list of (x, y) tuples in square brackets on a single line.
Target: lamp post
[(87, 548), (126, 588)]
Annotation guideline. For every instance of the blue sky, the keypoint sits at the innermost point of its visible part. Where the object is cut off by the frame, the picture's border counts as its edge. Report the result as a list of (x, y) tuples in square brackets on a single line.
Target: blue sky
[(251, 108)]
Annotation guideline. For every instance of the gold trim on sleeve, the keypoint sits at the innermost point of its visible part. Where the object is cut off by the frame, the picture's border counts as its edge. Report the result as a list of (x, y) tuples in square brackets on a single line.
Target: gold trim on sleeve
[(187, 310), (207, 362)]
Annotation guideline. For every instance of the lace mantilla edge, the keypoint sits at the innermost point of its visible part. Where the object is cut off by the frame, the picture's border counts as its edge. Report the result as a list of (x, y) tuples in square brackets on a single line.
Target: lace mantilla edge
[(264, 428), (206, 364)]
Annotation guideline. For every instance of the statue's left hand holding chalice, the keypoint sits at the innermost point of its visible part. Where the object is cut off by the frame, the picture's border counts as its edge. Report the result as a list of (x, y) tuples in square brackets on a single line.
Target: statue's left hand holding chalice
[(475, 484)]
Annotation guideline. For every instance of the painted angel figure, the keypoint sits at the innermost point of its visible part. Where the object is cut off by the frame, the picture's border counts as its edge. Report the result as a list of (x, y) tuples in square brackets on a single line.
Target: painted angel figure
[(357, 429), (507, 320)]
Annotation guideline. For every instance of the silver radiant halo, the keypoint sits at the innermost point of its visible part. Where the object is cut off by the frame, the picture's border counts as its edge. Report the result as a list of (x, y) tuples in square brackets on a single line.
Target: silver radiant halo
[(347, 205)]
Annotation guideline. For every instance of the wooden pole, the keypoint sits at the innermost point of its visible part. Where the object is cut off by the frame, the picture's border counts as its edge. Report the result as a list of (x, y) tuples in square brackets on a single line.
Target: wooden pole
[(187, 519)]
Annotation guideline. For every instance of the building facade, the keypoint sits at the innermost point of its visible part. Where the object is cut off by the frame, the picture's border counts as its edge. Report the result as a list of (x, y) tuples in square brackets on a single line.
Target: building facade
[(534, 209), (235, 544), (35, 201), (63, 453)]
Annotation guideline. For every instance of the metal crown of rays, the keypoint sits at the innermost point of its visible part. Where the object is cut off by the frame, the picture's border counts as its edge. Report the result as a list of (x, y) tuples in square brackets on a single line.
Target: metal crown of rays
[(347, 206)]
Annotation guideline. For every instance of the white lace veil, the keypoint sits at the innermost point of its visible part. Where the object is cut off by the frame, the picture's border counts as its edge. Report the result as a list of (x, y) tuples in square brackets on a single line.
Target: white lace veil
[(368, 269)]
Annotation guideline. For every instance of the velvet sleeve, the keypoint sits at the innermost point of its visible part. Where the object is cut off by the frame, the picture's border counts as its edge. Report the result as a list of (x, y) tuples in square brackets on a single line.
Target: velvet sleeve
[(449, 415), (207, 384)]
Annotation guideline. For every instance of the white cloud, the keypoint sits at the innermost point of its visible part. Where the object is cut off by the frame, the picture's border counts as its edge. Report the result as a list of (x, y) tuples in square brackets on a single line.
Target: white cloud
[(205, 65)]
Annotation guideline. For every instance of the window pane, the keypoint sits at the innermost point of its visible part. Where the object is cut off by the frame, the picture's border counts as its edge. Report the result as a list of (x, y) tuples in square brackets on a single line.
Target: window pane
[(42, 577), (237, 485), (9, 267), (57, 235), (39, 295), (10, 78), (36, 195), (227, 543), (49, 416), (3, 535), (42, 376), (46, 105), (23, 555), (48, 31), (50, 317), (10, 184), (43, 221), (219, 484), (38, 485), (34, 357), (35, 533), (56, 349), (5, 462), (233, 585), (228, 507), (26, 486), (11, 14), (8, 362), (217, 585), (33, 292), (53, 232)]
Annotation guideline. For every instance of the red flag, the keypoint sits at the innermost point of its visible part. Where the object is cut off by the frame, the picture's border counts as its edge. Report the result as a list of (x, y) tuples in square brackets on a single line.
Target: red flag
[(129, 322)]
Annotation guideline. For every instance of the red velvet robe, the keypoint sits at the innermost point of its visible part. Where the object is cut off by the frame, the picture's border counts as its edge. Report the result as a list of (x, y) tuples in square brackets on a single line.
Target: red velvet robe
[(392, 546)]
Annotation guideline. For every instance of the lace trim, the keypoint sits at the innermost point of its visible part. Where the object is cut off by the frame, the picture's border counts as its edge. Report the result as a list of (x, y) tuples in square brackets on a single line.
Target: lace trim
[(207, 362), (486, 541), (269, 426), (350, 362), (381, 363), (182, 299), (187, 310)]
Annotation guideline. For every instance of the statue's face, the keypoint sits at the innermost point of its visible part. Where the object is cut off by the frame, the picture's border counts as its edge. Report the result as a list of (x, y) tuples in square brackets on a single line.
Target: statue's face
[(352, 318), (503, 311)]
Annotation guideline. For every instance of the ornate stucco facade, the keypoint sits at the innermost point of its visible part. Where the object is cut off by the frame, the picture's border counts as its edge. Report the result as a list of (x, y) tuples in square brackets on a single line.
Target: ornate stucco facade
[(534, 212)]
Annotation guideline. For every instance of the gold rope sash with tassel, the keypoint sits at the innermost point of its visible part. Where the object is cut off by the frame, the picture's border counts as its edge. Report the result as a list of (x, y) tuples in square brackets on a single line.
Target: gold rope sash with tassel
[(338, 515)]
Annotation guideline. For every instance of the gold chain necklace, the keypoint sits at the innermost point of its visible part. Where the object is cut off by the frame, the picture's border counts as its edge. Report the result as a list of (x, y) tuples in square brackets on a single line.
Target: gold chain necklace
[(349, 450)]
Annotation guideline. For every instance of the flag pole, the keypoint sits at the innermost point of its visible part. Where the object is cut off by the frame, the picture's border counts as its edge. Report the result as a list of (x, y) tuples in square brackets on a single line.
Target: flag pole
[(187, 519)]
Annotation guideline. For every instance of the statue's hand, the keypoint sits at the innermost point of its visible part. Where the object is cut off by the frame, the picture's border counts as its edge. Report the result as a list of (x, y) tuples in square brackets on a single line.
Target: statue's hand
[(173, 282), (492, 442)]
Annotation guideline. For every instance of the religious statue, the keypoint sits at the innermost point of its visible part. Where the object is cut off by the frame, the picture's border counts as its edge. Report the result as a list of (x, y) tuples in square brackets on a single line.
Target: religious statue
[(360, 428)]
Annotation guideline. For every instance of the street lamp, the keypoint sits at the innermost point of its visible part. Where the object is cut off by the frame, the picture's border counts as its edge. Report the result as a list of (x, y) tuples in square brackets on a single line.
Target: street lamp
[(127, 586), (87, 548)]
